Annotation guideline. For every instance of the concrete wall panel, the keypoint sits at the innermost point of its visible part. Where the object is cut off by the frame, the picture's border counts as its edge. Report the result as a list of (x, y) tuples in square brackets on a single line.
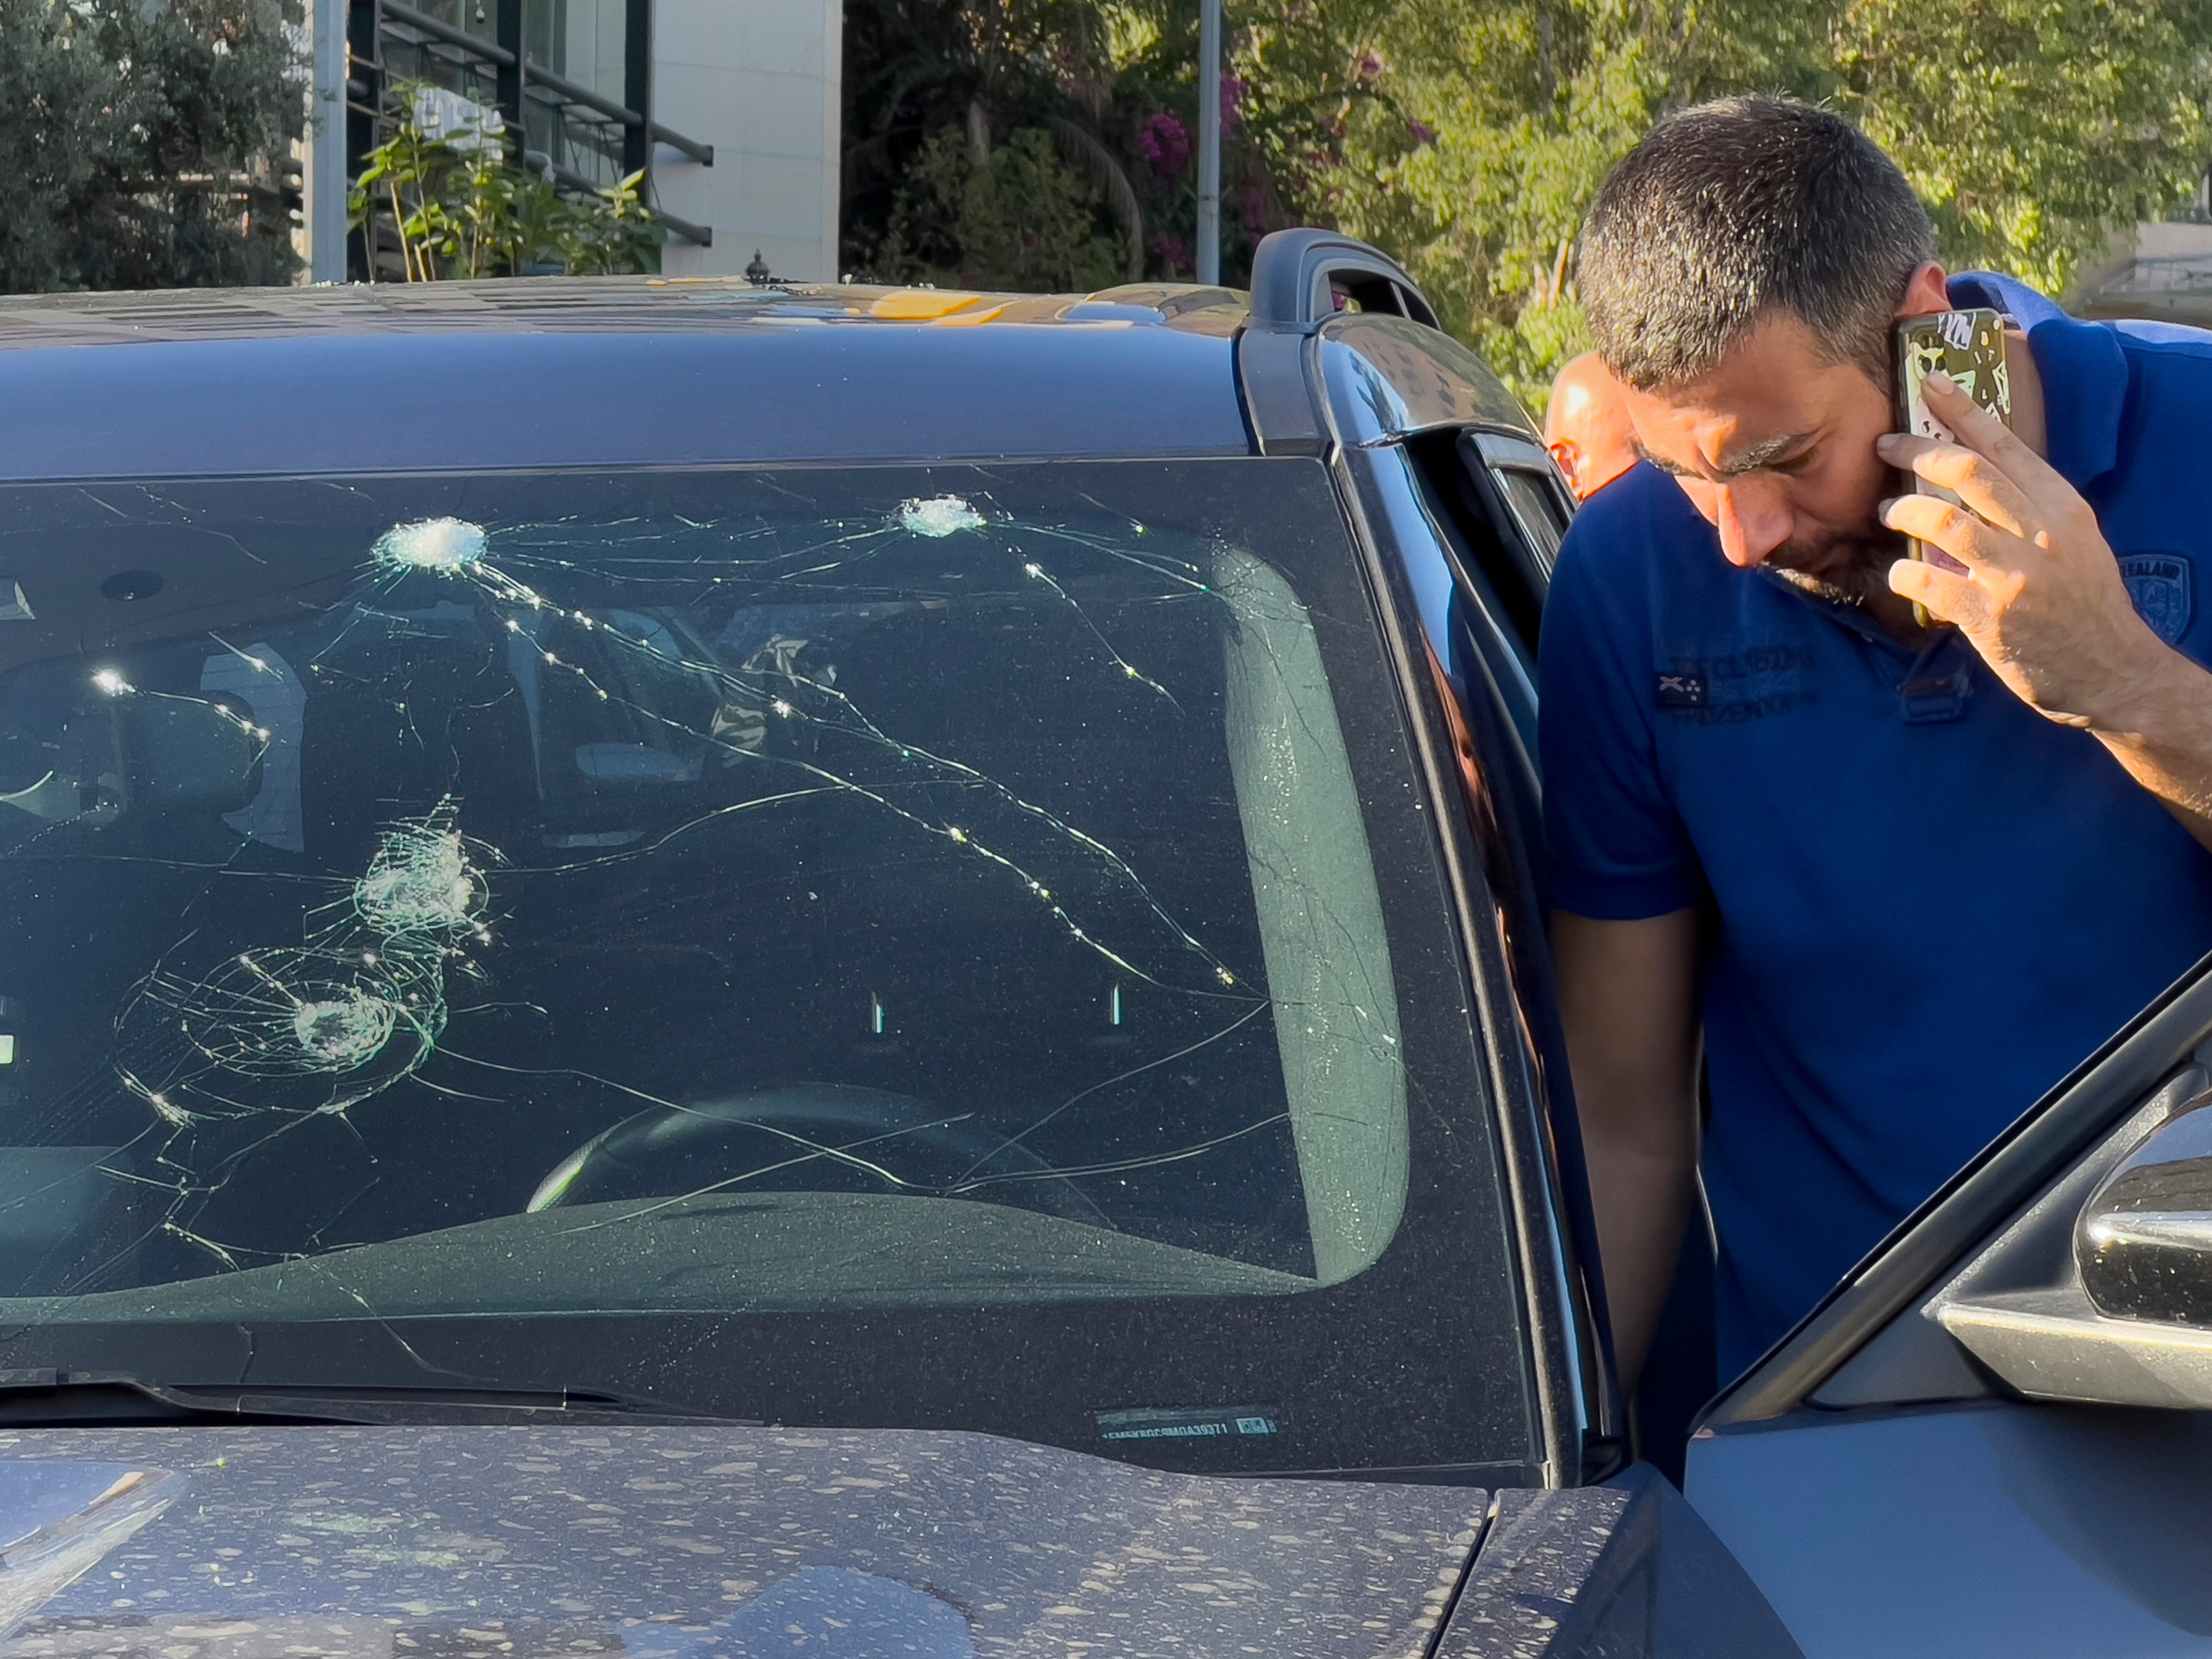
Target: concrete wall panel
[(761, 81)]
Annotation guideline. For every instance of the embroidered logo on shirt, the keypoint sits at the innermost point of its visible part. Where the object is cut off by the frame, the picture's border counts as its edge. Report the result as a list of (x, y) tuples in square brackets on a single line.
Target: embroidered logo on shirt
[(1936, 699), (1736, 686), (2160, 584)]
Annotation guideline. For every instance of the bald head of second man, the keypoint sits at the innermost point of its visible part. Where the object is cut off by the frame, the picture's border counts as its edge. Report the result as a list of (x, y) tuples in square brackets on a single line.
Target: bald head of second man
[(1587, 428)]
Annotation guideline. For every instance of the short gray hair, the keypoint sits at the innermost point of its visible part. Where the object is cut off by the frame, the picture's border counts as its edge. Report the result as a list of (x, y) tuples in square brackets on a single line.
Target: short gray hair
[(1732, 209)]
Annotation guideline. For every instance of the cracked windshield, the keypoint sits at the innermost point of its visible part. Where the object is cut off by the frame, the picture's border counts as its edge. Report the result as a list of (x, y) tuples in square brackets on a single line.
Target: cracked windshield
[(560, 893)]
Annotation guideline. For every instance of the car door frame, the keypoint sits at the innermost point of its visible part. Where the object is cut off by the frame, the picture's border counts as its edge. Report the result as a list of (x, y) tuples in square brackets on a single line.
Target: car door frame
[(1868, 1392), (1311, 389)]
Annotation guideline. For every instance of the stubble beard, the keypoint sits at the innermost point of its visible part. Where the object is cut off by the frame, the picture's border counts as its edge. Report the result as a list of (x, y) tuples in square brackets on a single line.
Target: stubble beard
[(1842, 570)]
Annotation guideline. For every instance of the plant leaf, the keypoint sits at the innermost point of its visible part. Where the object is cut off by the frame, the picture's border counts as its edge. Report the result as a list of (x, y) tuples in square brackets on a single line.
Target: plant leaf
[(1084, 151)]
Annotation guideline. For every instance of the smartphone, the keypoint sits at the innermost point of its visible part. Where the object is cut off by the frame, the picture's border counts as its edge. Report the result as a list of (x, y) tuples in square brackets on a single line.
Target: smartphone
[(1970, 347)]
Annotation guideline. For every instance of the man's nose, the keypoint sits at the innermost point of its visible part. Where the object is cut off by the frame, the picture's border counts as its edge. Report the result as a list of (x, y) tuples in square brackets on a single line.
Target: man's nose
[(1753, 521)]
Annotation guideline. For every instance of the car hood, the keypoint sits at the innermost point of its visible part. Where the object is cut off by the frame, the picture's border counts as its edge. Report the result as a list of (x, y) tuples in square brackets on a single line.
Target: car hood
[(691, 1542)]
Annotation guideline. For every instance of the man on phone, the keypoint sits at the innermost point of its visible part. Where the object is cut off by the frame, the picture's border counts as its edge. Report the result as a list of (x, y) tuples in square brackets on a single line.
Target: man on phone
[(1897, 879)]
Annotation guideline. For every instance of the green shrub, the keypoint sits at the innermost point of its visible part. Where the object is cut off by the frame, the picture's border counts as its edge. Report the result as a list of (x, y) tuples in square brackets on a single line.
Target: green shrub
[(463, 207)]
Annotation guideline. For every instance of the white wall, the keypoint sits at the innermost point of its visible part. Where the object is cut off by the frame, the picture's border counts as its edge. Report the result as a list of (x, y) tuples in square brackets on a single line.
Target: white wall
[(760, 81)]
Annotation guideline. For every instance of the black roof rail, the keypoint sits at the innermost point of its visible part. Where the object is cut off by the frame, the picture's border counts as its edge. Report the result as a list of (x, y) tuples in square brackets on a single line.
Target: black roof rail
[(1301, 278)]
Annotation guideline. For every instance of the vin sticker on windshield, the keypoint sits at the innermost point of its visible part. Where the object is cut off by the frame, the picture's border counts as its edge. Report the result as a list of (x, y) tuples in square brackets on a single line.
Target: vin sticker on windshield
[(1187, 1423)]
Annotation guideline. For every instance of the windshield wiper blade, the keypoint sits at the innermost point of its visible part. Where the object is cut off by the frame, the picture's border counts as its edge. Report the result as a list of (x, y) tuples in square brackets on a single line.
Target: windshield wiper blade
[(57, 1399)]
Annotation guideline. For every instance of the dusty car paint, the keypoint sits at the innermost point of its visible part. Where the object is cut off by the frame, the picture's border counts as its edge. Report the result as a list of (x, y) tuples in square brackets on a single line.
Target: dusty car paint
[(299, 1542)]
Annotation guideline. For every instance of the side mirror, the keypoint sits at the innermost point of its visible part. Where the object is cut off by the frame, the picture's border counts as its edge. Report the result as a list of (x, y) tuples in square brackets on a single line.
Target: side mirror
[(2100, 1291), (2144, 1240)]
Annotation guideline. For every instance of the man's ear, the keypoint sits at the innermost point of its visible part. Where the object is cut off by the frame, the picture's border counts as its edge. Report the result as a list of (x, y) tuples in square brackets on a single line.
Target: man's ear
[(1929, 290)]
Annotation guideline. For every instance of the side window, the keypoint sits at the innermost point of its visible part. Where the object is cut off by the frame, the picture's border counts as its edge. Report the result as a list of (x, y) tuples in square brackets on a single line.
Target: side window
[(1503, 496), (1507, 510), (1521, 473), (1504, 512)]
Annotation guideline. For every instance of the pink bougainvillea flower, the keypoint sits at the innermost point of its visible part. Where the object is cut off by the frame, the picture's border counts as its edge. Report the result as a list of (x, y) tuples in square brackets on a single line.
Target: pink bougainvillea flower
[(1164, 145)]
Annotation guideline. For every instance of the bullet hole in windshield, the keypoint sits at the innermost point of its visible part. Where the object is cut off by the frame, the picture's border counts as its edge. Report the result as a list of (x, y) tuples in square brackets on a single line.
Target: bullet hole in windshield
[(940, 516), (447, 544)]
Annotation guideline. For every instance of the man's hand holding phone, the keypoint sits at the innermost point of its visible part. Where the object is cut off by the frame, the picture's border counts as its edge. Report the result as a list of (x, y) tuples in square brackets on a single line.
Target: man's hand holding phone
[(2039, 594)]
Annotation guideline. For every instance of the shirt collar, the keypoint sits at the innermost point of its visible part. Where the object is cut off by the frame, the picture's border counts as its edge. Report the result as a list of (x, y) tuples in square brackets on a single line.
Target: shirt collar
[(2084, 374)]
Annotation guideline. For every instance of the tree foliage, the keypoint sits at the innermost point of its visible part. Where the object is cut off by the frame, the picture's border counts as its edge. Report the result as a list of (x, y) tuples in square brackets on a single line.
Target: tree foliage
[(1015, 216), (2033, 128), (1032, 143), (144, 143), (1467, 137)]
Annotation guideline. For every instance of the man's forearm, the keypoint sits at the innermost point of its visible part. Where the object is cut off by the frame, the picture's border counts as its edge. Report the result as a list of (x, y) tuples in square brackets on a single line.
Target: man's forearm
[(1628, 1000), (2162, 734), (1642, 1194)]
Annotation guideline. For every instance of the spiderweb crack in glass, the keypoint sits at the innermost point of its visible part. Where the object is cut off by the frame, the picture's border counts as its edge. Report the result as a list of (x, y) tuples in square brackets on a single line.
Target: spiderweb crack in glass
[(421, 882), (343, 1034), (275, 1036), (770, 679), (938, 517), (431, 544), (358, 1006)]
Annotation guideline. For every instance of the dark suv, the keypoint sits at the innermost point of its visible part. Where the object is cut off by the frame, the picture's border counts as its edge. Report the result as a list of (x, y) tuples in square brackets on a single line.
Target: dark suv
[(701, 971)]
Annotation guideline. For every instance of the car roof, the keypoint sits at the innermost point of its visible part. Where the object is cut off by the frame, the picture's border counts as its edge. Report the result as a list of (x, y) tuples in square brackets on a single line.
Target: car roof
[(580, 304), (606, 371)]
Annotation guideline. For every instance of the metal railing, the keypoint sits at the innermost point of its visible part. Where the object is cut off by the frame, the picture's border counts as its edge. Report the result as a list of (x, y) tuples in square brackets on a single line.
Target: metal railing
[(520, 77), (2164, 273), (702, 234)]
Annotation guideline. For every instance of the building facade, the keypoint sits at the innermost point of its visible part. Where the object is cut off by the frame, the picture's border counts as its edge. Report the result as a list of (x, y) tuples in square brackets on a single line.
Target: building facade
[(2162, 271), (729, 107)]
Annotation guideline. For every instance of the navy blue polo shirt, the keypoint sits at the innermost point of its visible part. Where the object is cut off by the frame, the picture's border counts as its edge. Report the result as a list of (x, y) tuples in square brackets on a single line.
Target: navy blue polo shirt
[(1932, 902)]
